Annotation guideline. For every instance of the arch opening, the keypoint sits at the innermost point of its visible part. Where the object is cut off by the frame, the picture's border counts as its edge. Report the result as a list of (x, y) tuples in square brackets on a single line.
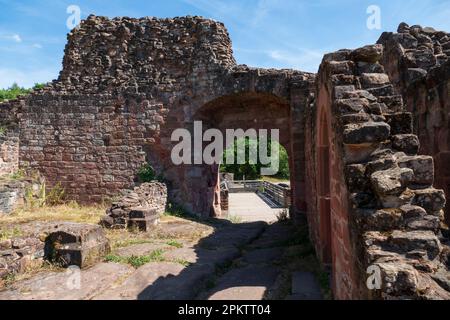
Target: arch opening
[(246, 112)]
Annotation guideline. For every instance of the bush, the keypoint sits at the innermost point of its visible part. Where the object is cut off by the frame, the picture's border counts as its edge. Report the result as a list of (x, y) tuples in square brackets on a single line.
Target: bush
[(146, 173)]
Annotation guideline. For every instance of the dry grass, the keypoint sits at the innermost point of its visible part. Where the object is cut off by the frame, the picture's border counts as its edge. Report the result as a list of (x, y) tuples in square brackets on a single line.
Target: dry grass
[(68, 212)]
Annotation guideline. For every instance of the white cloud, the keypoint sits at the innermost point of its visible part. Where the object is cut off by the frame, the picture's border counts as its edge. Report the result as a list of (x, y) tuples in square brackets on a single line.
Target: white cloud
[(37, 46), (12, 37), (26, 79)]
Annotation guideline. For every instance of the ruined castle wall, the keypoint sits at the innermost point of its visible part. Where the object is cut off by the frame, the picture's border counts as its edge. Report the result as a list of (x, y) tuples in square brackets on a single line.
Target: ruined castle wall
[(417, 61), (9, 137), (126, 85), (376, 191)]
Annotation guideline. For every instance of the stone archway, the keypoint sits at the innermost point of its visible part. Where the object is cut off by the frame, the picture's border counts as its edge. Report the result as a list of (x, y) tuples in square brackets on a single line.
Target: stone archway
[(258, 111)]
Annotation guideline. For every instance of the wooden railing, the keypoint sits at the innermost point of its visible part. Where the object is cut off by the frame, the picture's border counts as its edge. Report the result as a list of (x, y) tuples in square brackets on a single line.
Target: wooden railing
[(279, 195)]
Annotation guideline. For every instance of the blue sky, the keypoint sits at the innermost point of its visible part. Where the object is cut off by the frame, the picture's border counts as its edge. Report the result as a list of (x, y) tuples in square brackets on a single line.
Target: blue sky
[(265, 33)]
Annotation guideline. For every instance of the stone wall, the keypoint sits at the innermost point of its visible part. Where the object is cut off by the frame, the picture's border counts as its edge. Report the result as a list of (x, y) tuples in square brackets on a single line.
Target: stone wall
[(9, 137), (126, 84), (417, 61), (375, 204), (149, 199)]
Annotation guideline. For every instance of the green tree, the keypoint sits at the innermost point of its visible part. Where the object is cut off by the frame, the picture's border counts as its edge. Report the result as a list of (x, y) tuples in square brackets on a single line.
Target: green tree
[(15, 91), (251, 171)]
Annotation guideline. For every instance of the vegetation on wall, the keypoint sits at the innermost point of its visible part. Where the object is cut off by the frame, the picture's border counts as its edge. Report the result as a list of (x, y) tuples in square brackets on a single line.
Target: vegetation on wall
[(14, 91)]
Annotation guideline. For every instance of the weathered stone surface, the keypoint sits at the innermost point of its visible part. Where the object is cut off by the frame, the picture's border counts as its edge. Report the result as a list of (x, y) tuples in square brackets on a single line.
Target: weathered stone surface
[(370, 54), (423, 167), (366, 132), (399, 278), (132, 287), (432, 200), (64, 285), (372, 80), (258, 280), (407, 143), (139, 209), (127, 83), (392, 181), (414, 240), (74, 244), (201, 256)]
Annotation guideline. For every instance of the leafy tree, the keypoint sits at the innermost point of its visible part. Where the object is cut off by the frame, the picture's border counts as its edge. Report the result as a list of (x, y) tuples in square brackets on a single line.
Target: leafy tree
[(15, 91), (251, 171)]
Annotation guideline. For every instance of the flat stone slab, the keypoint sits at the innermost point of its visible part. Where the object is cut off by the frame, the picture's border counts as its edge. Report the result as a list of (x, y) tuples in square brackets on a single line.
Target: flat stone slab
[(200, 256), (237, 235), (183, 286), (258, 256), (141, 249), (275, 235), (248, 283), (68, 285), (132, 287), (305, 287)]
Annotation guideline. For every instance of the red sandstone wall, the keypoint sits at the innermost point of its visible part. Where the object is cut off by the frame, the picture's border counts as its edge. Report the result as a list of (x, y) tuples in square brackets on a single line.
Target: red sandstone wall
[(417, 61), (9, 137)]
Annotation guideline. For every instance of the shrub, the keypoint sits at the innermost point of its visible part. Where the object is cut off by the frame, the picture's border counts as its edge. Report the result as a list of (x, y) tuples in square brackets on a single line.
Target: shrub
[(146, 173)]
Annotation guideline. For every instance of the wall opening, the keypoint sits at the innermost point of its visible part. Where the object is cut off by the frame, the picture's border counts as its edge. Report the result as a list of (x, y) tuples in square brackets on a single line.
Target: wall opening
[(245, 112)]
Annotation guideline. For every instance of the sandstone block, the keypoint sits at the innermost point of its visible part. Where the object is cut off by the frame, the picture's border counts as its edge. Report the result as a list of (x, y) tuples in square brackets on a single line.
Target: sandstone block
[(366, 132), (372, 53), (392, 181), (74, 244)]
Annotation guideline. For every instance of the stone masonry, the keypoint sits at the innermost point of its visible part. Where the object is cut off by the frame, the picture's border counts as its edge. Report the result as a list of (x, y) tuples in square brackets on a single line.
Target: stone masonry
[(376, 205), (357, 172), (417, 61), (140, 208)]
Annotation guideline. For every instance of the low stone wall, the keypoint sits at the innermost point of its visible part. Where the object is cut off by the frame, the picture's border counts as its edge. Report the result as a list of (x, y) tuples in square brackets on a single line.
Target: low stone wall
[(140, 208)]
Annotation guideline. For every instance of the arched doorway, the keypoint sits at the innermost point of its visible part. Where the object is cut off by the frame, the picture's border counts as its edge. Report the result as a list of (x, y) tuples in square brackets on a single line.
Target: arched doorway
[(324, 186), (244, 111)]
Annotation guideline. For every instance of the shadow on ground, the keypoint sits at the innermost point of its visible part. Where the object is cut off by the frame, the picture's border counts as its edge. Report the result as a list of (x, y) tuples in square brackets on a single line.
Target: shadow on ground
[(236, 262)]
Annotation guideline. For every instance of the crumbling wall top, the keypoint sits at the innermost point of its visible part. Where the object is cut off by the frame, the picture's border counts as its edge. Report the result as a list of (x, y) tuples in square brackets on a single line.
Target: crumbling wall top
[(104, 54)]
